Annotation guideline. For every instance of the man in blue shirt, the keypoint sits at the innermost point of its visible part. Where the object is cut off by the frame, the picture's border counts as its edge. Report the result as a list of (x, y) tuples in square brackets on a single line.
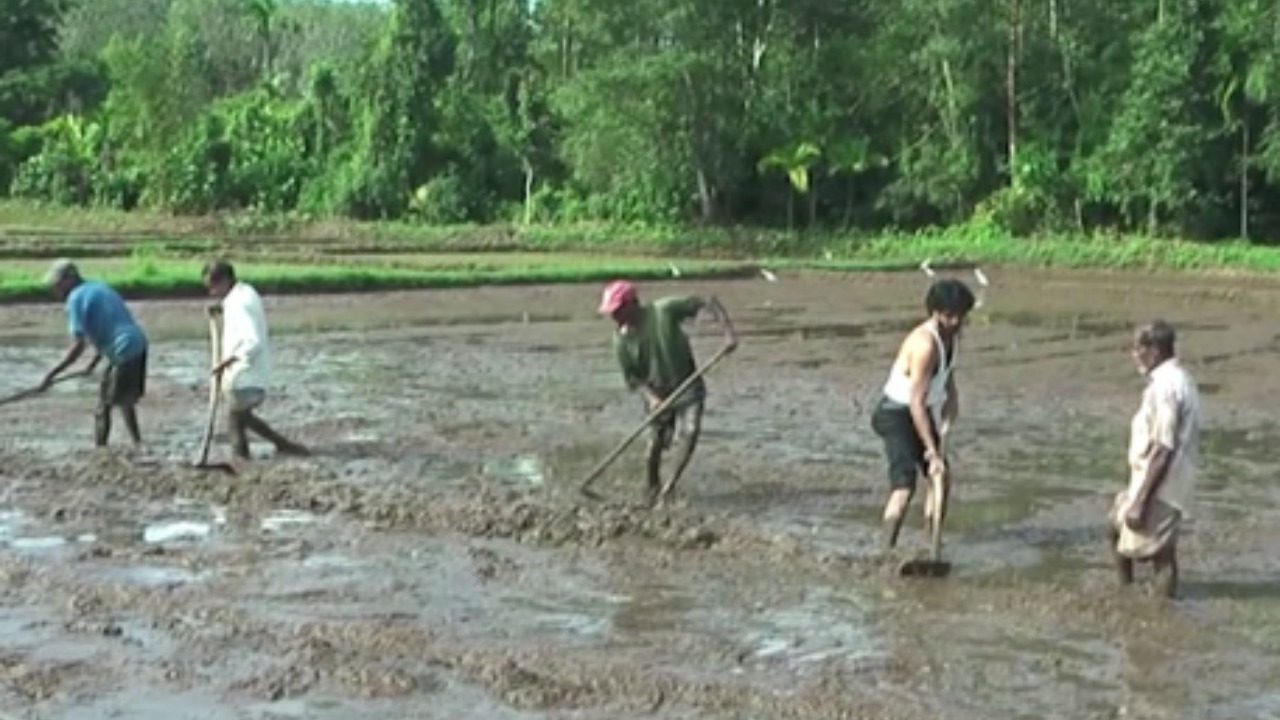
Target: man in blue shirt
[(97, 316)]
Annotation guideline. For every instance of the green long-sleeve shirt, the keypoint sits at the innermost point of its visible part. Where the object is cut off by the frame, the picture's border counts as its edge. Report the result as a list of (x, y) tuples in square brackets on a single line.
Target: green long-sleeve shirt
[(655, 352)]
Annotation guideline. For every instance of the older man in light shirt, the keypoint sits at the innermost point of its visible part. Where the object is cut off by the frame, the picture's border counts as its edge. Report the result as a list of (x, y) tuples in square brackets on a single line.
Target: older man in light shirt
[(1163, 457), (246, 359)]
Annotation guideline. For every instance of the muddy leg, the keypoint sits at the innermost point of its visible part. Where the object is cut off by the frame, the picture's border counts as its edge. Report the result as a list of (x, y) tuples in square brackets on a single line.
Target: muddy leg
[(1124, 566), (653, 467), (904, 451), (1115, 520), (239, 435), (102, 415), (284, 446), (1166, 570), (102, 426), (690, 431), (895, 511), (130, 415)]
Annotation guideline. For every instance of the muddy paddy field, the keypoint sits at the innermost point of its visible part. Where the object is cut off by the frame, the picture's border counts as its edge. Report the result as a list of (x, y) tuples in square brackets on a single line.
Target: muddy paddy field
[(434, 561)]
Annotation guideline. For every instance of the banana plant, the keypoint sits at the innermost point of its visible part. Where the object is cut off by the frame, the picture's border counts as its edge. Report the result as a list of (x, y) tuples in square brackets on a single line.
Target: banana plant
[(797, 161), (852, 157)]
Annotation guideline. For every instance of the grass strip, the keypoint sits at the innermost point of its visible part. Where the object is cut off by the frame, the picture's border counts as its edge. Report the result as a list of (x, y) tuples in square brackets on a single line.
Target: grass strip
[(958, 246), (163, 280), (971, 246), (155, 278), (293, 239)]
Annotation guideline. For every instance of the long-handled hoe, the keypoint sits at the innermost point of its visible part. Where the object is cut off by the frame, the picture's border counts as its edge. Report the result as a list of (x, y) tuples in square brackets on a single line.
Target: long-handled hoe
[(215, 394), (604, 464)]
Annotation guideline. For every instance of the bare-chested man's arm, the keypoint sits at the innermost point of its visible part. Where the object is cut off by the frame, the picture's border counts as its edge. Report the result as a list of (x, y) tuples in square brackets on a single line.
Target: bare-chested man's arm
[(921, 359), (951, 408)]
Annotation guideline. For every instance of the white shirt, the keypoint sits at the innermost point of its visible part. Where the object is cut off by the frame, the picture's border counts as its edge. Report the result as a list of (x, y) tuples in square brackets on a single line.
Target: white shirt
[(898, 387), (1169, 416), (245, 338)]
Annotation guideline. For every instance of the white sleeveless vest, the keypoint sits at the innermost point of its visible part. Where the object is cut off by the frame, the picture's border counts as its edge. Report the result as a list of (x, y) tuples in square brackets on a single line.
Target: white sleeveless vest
[(898, 387)]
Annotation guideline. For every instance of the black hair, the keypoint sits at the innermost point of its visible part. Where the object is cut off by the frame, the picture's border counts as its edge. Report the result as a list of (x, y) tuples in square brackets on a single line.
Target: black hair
[(949, 296), (219, 270), (1160, 335)]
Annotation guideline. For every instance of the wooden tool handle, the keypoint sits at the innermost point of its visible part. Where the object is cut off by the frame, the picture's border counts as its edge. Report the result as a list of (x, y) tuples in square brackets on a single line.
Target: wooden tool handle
[(653, 415)]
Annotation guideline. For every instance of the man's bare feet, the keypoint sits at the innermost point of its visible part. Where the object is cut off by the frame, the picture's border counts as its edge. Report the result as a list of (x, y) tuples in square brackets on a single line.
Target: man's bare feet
[(293, 449)]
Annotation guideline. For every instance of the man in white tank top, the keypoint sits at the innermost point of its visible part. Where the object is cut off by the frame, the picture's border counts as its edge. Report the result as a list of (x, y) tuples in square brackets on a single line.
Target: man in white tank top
[(921, 387), (1164, 455)]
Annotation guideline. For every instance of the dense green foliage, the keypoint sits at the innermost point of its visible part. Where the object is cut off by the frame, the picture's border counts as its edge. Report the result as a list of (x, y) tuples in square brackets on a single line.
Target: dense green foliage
[(1053, 116)]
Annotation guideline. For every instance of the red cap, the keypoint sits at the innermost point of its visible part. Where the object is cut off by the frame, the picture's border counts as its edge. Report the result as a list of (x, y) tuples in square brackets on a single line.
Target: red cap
[(616, 294)]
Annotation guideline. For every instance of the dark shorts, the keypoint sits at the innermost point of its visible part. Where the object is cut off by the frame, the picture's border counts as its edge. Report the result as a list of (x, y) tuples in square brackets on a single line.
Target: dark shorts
[(902, 445), (124, 384), (684, 422)]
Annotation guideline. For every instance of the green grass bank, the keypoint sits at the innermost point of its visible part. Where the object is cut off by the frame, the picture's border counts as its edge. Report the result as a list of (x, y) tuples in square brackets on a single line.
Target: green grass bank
[(160, 278), (149, 255)]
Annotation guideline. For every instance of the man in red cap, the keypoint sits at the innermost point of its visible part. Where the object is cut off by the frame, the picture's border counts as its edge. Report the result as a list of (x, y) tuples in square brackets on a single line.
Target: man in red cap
[(656, 358)]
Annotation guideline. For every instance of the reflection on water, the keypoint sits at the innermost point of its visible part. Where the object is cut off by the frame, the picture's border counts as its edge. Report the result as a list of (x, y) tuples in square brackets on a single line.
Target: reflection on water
[(525, 469), (21, 533), (184, 521), (1261, 706), (282, 521), (37, 543), (175, 530), (822, 624), (155, 576)]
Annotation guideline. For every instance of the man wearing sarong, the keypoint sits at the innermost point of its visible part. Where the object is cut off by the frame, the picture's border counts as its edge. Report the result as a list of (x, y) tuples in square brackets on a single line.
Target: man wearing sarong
[(1163, 457)]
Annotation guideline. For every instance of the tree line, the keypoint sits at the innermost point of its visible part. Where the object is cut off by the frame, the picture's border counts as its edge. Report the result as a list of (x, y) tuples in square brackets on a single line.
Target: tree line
[(1149, 116)]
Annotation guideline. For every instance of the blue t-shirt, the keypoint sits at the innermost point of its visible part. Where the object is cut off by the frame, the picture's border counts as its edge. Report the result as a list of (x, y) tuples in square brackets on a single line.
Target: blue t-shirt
[(98, 314)]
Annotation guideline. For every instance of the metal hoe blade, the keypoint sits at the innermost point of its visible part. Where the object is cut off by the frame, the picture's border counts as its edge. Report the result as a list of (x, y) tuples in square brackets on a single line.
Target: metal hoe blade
[(936, 514), (925, 567)]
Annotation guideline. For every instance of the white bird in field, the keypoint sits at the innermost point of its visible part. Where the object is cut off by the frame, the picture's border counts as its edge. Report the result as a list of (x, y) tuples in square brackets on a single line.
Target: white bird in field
[(764, 272), (675, 271), (982, 281), (926, 268)]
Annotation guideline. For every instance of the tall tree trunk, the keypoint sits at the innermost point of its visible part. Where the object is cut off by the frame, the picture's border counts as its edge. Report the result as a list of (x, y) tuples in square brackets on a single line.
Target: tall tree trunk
[(706, 197), (1244, 175), (813, 202), (1013, 52), (528, 191)]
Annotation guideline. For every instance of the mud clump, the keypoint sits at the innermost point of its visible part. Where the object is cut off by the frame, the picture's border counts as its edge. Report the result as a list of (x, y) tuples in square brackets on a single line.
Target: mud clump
[(490, 566), (523, 687), (538, 681), (368, 660), (528, 521), (481, 511), (279, 683), (36, 683), (380, 681)]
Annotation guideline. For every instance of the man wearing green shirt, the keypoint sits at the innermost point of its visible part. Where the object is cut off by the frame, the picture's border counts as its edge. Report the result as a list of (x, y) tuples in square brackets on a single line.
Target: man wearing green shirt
[(656, 357)]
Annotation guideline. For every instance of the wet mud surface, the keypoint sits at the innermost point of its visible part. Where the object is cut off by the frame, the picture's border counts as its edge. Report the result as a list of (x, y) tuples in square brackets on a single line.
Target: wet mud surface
[(433, 559)]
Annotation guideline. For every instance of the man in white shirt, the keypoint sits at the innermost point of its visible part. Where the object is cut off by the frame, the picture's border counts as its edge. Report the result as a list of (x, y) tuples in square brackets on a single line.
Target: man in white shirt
[(246, 359), (1164, 456)]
